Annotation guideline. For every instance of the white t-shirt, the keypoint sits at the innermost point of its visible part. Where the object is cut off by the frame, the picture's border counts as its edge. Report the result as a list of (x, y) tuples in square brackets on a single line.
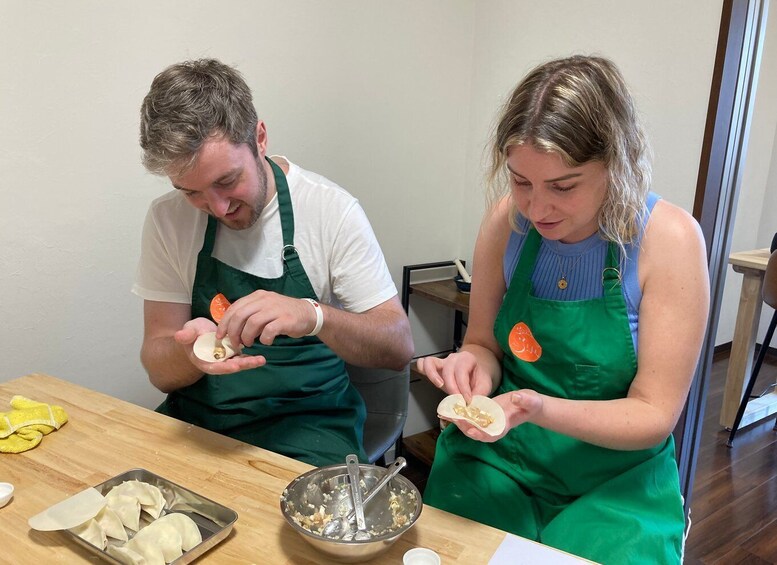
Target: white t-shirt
[(332, 234)]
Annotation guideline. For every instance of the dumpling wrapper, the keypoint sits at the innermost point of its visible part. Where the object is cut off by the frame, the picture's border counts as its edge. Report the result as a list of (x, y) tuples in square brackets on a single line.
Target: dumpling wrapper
[(127, 508), (92, 533), (69, 513), (190, 533), (445, 410), (205, 345), (126, 555), (110, 522), (159, 536)]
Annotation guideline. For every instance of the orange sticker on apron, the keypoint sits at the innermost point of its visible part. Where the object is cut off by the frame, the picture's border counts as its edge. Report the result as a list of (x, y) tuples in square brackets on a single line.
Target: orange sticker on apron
[(522, 343), (218, 306)]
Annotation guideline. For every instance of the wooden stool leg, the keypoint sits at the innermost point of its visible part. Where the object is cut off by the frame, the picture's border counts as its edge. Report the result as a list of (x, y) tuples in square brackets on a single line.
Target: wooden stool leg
[(751, 382)]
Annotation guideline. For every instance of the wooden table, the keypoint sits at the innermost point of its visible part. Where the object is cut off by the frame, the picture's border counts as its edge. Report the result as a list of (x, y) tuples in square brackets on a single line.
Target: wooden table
[(752, 265), (105, 437)]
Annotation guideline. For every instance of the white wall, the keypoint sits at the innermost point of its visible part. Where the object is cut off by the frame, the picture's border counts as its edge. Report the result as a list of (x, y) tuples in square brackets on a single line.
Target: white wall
[(392, 100), (665, 49), (369, 93)]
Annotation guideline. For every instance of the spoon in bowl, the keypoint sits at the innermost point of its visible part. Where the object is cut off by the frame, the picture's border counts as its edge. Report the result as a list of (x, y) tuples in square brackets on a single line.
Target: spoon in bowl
[(352, 464), (337, 527)]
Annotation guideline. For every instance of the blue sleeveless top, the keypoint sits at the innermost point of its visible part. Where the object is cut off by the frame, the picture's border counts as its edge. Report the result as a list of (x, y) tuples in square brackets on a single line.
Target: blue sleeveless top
[(582, 264)]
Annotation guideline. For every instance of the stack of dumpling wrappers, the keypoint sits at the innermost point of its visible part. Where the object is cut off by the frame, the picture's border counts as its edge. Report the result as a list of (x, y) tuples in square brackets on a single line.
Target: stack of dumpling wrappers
[(162, 541)]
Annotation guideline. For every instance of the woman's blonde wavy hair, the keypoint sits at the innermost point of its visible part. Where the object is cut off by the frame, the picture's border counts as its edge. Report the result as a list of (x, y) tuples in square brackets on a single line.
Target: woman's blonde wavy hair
[(580, 108)]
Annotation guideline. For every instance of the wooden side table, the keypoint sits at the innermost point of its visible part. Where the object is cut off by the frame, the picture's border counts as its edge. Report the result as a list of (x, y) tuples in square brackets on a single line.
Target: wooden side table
[(752, 265)]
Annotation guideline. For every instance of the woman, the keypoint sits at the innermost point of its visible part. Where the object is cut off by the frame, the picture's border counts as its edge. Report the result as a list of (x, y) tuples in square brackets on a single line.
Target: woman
[(587, 313)]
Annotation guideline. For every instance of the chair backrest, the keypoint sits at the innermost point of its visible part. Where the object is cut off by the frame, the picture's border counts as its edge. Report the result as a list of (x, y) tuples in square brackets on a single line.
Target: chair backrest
[(769, 291), (385, 392)]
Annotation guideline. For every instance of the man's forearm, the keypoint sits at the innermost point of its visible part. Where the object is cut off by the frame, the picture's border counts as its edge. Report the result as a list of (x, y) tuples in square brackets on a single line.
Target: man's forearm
[(368, 340), (167, 364)]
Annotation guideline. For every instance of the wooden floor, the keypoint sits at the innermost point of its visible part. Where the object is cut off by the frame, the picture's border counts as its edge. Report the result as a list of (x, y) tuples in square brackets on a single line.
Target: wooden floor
[(734, 501)]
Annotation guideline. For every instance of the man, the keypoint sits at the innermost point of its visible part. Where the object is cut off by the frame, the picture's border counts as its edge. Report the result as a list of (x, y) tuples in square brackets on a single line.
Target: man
[(293, 253)]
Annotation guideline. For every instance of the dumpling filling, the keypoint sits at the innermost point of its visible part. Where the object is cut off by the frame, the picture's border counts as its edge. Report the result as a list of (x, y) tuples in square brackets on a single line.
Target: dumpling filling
[(474, 414)]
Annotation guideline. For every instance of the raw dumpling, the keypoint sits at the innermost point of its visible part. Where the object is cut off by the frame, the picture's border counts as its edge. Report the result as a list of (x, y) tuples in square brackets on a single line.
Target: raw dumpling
[(110, 522), (186, 527), (149, 496), (151, 554), (126, 555), (92, 533), (126, 507), (482, 412), (158, 536), (154, 509), (205, 348)]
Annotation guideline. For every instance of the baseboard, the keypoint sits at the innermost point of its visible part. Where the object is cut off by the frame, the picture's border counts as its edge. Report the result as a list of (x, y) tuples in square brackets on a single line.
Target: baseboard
[(723, 351), (722, 348)]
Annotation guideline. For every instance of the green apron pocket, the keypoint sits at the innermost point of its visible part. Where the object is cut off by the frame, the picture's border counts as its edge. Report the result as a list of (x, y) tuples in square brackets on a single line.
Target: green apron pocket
[(586, 384)]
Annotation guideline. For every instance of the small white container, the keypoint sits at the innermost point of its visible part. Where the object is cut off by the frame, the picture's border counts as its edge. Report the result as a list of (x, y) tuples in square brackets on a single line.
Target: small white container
[(421, 556), (6, 493)]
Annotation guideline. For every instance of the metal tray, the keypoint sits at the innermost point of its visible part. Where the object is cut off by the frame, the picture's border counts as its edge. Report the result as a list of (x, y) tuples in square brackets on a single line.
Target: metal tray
[(214, 520)]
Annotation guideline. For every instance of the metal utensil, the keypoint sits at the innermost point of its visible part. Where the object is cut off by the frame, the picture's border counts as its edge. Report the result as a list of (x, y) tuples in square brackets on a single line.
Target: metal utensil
[(338, 527), (352, 464), (399, 502), (391, 472)]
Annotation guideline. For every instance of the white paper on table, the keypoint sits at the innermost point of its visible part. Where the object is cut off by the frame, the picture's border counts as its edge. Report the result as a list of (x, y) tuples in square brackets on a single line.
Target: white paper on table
[(519, 551)]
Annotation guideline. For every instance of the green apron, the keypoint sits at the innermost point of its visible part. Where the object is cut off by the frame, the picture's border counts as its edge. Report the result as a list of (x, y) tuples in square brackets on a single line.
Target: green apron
[(301, 403), (619, 507)]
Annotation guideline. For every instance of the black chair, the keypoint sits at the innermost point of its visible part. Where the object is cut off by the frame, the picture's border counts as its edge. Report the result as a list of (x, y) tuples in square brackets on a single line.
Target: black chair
[(385, 392), (769, 294)]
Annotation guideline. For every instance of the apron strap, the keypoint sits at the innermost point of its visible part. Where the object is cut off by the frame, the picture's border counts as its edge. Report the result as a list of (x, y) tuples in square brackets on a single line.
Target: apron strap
[(210, 237), (531, 248), (284, 204), (611, 275), (291, 263)]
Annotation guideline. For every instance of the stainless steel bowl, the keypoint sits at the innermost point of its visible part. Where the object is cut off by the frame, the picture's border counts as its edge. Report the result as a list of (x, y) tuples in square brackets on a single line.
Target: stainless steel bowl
[(323, 494)]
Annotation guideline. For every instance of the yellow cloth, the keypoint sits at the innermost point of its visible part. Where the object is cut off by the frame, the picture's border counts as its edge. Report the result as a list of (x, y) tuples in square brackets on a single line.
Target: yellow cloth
[(28, 421)]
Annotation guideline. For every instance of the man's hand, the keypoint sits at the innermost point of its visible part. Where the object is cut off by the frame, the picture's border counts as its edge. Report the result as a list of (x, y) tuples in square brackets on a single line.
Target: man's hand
[(192, 329), (264, 315)]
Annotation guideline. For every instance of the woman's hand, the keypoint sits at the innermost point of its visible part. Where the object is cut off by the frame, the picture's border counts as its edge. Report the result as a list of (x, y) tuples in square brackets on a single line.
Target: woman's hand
[(458, 373), (519, 406)]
